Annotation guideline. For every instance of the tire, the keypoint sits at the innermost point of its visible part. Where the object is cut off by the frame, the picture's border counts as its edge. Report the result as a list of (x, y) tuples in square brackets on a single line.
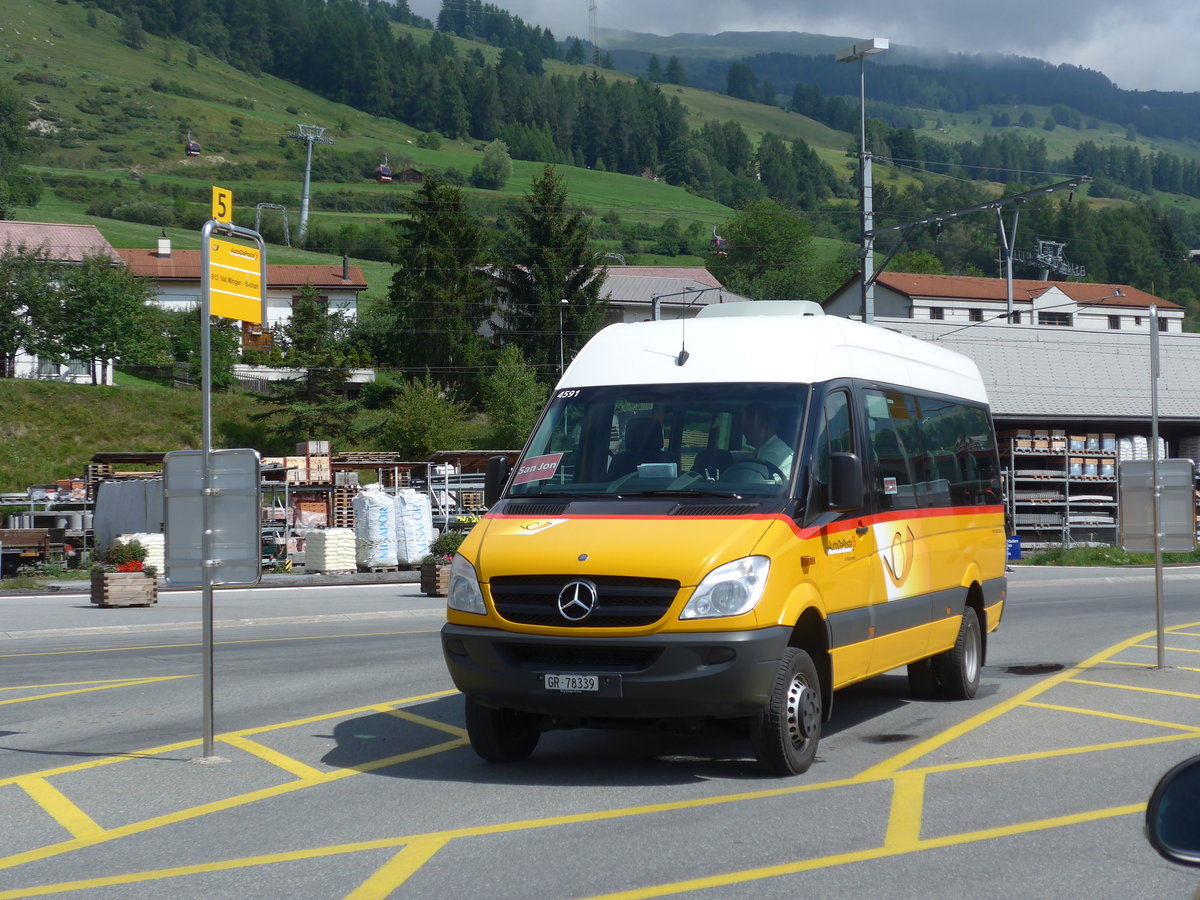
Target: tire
[(501, 735), (922, 681), (785, 733), (957, 669)]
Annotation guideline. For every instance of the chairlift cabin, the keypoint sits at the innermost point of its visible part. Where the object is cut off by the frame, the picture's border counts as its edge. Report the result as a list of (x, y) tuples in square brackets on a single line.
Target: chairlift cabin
[(718, 246), (383, 173), (191, 148)]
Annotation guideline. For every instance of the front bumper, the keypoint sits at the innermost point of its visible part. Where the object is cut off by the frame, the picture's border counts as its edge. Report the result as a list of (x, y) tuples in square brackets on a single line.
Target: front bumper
[(663, 676)]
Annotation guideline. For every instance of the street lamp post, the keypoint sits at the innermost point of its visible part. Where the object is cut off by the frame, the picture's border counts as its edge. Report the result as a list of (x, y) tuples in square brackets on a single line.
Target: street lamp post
[(860, 52)]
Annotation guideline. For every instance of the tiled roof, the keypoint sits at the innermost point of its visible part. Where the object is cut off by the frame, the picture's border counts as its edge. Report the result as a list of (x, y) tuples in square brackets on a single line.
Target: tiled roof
[(1064, 373), (640, 284), (62, 243), (965, 287), (698, 274), (184, 265)]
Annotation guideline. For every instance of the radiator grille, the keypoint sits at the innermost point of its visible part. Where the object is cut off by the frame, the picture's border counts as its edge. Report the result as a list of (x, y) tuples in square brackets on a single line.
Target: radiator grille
[(620, 602)]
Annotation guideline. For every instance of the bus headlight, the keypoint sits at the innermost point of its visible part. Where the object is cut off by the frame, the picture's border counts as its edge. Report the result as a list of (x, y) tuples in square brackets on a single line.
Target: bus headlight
[(729, 590), (464, 593)]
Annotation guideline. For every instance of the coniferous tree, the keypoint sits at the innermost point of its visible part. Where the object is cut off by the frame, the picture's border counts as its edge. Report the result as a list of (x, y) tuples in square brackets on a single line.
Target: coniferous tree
[(312, 405), (549, 259), (440, 294)]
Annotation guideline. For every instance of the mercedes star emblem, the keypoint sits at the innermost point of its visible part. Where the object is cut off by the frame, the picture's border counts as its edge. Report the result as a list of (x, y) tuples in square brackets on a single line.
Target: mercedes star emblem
[(577, 600)]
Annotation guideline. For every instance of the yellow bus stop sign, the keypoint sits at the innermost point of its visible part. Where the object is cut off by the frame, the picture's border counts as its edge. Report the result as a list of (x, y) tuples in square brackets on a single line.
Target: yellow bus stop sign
[(235, 280), (222, 205)]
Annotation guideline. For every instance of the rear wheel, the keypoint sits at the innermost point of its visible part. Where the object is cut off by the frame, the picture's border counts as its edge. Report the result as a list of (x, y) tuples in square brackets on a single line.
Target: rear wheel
[(786, 731), (957, 669), (501, 735), (921, 679)]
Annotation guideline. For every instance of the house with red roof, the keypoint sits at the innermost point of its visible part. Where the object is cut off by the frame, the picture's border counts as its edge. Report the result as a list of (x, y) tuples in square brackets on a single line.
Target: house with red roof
[(965, 300), (61, 244), (177, 274)]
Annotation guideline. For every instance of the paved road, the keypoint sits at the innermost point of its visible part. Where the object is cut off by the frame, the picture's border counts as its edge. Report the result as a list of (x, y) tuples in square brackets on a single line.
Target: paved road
[(349, 774)]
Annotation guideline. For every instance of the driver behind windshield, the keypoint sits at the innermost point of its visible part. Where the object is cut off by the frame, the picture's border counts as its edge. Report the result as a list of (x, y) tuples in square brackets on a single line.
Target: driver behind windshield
[(761, 430)]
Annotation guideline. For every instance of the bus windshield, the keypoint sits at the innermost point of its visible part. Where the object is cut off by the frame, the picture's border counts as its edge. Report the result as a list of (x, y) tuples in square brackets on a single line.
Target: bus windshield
[(692, 439)]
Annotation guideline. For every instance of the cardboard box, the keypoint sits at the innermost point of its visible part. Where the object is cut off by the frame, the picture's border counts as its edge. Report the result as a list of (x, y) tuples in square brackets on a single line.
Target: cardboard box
[(1077, 442)]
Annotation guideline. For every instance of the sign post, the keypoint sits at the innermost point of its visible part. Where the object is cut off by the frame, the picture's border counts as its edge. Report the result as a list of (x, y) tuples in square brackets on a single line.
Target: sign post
[(233, 284), (1156, 498)]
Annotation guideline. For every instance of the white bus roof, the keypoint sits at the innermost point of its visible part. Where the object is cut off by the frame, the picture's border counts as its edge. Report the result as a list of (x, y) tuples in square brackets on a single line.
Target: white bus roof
[(769, 348)]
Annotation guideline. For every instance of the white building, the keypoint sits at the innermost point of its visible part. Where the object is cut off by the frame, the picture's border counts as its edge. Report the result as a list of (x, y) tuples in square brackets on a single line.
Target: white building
[(964, 300), (70, 244)]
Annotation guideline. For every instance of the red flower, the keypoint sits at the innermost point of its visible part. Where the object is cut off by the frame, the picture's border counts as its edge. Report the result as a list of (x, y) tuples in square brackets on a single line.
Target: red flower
[(133, 565)]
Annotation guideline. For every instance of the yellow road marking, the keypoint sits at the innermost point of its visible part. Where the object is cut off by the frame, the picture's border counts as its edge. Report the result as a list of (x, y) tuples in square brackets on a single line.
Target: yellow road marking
[(1131, 687), (900, 760), (1172, 649), (428, 723), (841, 859), (397, 870), (133, 682), (60, 684), (303, 771), (1035, 755), (77, 823), (908, 804), (1142, 665), (186, 644), (1137, 720), (198, 869)]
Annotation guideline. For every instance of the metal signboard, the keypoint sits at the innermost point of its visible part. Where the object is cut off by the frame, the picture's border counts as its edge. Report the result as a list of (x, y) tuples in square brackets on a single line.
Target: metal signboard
[(235, 280), (1176, 531), (234, 552)]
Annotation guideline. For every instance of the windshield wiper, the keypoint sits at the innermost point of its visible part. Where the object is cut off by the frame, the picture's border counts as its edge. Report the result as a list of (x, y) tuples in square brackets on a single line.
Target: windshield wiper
[(683, 492)]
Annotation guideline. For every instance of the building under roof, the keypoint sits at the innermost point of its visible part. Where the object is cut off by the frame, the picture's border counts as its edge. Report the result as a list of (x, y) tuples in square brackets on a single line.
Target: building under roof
[(677, 291)]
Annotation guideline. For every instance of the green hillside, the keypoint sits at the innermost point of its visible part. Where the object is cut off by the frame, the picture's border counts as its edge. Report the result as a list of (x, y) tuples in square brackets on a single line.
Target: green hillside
[(109, 114)]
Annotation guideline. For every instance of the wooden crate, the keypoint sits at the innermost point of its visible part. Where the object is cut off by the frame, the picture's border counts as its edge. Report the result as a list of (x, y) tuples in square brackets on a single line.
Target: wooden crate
[(124, 589)]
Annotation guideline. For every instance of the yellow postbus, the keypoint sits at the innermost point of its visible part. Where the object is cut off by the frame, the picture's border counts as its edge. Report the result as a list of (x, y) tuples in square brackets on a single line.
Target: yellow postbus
[(729, 518)]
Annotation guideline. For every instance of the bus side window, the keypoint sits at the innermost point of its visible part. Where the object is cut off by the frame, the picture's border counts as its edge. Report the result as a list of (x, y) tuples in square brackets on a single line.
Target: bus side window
[(834, 435), (891, 422)]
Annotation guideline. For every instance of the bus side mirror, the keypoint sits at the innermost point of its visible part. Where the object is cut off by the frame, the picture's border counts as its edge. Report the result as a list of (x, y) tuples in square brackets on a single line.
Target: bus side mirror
[(845, 481), (494, 479), (1173, 814)]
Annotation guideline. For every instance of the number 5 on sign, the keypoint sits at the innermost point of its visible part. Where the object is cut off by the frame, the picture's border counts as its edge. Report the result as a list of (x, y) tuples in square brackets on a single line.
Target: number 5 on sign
[(222, 205)]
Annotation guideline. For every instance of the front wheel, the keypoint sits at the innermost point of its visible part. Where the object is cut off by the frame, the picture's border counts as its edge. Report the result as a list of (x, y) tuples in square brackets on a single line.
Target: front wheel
[(501, 735), (786, 731), (958, 668)]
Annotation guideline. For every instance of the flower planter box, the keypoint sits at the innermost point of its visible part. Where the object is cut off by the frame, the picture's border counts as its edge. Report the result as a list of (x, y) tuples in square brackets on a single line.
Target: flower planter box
[(435, 580), (124, 589)]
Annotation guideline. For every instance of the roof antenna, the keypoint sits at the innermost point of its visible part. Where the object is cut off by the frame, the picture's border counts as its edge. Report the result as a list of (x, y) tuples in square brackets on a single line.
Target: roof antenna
[(683, 354)]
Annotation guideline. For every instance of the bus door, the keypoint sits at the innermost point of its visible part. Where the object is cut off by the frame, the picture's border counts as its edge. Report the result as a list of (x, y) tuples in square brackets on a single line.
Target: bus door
[(902, 595), (847, 544)]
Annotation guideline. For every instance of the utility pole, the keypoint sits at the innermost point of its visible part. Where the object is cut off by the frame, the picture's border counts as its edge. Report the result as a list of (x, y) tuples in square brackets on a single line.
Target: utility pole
[(310, 134), (592, 33), (860, 52)]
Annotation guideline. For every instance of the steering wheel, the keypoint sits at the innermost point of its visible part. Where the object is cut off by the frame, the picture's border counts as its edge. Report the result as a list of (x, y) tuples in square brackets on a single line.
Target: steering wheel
[(772, 470)]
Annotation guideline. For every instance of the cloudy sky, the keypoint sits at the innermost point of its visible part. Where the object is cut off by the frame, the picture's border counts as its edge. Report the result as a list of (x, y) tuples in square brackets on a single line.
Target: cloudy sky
[(1127, 41)]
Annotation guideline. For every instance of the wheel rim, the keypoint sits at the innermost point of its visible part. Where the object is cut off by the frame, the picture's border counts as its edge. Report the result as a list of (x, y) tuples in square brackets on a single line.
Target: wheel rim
[(972, 650), (803, 712)]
